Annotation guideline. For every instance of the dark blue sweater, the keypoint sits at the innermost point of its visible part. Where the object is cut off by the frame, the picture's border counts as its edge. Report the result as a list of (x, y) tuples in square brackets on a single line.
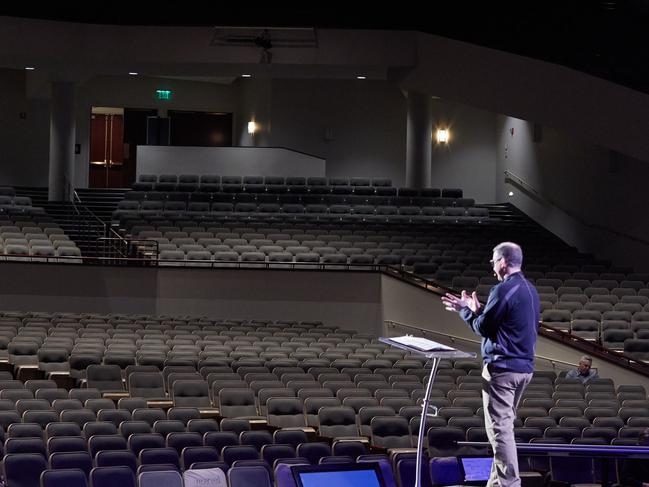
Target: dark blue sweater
[(508, 324)]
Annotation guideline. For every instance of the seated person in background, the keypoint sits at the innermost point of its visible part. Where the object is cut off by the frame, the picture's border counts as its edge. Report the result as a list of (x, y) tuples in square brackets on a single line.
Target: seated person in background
[(634, 472), (583, 372)]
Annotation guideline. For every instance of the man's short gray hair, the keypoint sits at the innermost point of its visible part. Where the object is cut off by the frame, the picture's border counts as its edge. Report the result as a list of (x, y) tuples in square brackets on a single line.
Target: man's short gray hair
[(587, 358), (511, 252)]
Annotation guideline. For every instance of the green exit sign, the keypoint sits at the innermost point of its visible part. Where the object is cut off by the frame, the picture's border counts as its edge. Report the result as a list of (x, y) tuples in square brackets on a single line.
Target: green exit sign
[(163, 94)]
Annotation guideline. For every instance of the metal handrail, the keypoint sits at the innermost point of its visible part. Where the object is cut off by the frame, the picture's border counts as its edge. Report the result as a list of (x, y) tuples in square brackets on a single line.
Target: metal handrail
[(130, 244), (123, 255), (107, 236), (110, 235), (76, 199), (453, 338), (278, 265), (419, 281), (212, 264), (613, 356)]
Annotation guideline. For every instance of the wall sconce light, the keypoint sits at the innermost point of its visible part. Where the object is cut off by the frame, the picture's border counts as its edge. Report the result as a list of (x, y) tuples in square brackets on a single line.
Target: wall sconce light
[(252, 128), (442, 136)]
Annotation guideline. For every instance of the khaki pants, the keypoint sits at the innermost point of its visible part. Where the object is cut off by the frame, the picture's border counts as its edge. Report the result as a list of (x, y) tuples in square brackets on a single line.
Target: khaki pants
[(501, 393)]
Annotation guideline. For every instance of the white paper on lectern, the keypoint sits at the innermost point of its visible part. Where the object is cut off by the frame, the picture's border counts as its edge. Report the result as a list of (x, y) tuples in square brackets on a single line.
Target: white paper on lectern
[(423, 344)]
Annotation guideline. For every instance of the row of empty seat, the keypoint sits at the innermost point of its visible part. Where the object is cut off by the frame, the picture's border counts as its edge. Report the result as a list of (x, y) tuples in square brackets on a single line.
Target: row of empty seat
[(37, 243), (407, 198), (12, 206), (290, 180), (344, 354), (354, 416), (299, 212), (142, 436), (94, 434), (279, 184), (289, 374), (106, 470), (6, 200), (402, 248), (35, 237)]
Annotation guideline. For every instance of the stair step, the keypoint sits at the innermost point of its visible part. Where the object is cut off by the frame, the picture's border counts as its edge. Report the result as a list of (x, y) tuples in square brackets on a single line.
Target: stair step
[(82, 229), (102, 202)]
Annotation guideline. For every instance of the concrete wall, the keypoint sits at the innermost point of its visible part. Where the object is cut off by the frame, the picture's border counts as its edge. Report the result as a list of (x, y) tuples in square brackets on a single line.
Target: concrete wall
[(347, 299), (350, 300), (254, 105), (594, 185), (574, 103), (468, 161), (238, 161), (24, 133), (358, 126)]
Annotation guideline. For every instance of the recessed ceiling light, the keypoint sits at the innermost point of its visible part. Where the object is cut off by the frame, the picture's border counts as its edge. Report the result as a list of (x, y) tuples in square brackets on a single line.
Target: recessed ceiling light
[(361, 77), (246, 76), (29, 68), (133, 73), (511, 193)]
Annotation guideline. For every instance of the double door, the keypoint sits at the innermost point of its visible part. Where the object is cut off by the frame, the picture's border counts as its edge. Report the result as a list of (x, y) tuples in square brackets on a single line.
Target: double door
[(106, 151)]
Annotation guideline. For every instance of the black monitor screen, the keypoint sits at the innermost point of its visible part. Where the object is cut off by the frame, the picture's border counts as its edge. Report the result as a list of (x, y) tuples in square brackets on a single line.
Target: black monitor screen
[(341, 475), (476, 469)]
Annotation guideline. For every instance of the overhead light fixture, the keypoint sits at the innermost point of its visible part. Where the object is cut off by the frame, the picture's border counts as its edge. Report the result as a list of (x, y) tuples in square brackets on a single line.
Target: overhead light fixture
[(246, 75), (133, 73), (252, 127), (29, 68), (511, 193), (361, 77), (442, 136)]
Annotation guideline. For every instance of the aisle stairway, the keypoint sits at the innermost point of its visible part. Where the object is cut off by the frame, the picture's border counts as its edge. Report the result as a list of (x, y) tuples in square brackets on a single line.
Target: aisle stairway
[(101, 201), (75, 219)]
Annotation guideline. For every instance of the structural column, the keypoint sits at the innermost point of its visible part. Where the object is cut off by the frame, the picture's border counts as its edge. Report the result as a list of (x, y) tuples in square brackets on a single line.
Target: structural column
[(256, 98), (419, 140), (62, 138)]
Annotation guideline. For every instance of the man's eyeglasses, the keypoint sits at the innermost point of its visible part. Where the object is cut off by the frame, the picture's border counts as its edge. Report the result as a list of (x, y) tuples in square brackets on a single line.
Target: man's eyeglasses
[(493, 261)]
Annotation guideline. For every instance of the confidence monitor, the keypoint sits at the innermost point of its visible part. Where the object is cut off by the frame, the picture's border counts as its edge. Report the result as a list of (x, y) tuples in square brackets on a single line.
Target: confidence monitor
[(475, 469), (338, 475)]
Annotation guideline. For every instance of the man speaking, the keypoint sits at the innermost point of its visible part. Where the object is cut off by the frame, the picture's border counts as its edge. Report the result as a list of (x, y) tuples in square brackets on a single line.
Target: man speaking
[(508, 325)]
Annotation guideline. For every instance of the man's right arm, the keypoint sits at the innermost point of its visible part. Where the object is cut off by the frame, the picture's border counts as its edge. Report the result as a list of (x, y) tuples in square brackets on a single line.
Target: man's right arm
[(486, 322)]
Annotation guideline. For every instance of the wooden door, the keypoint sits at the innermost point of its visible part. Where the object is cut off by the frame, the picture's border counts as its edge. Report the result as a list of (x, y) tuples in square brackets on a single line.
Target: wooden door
[(106, 151)]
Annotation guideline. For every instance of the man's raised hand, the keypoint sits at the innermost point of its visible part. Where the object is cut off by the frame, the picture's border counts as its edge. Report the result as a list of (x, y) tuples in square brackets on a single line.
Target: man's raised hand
[(455, 303)]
